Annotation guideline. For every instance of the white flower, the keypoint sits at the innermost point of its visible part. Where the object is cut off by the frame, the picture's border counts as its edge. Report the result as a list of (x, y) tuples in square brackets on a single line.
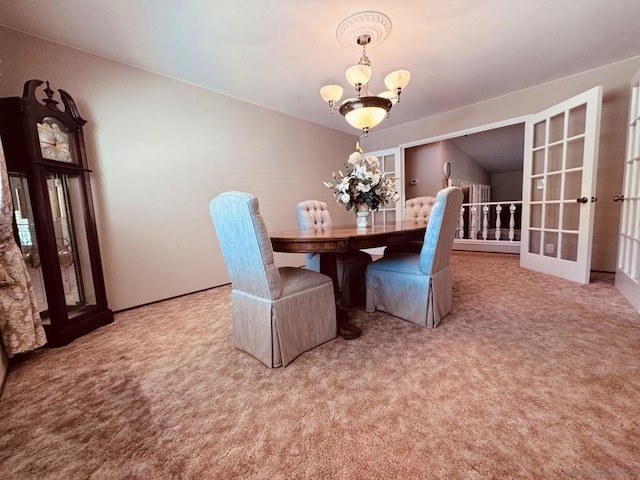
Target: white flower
[(343, 186), (363, 182), (363, 187), (354, 158), (361, 171), (373, 161)]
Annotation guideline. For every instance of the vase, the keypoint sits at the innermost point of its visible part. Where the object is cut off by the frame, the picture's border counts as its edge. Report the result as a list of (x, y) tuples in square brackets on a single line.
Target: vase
[(363, 215)]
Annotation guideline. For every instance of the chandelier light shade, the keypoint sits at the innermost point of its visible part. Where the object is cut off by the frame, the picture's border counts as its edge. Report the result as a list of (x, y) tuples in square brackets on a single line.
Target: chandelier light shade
[(331, 94), (358, 75), (397, 80), (366, 111)]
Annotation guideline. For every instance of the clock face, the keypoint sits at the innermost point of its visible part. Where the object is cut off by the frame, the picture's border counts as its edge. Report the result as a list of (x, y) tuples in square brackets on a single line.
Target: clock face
[(54, 143)]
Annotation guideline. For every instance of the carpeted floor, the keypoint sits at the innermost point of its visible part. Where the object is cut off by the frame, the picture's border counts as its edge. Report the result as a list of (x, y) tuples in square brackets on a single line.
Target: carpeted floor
[(530, 377)]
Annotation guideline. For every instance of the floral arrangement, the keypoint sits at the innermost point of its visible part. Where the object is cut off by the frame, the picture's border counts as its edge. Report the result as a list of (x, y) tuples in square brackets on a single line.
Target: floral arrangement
[(363, 183)]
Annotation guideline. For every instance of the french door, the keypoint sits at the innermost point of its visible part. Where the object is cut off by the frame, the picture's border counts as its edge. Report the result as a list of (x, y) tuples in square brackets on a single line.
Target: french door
[(559, 181), (628, 262), (390, 163)]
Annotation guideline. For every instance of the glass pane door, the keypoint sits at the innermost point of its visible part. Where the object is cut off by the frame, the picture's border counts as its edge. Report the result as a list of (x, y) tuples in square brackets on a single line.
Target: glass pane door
[(65, 199), (561, 148), (390, 164), (28, 239), (628, 264)]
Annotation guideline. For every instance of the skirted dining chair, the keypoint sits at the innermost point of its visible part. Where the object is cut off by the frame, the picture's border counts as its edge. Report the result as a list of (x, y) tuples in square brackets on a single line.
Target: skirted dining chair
[(277, 313), (417, 209), (351, 266), (418, 287)]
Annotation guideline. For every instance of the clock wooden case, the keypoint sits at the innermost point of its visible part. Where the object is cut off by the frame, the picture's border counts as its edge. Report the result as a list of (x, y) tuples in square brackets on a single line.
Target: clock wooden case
[(54, 216)]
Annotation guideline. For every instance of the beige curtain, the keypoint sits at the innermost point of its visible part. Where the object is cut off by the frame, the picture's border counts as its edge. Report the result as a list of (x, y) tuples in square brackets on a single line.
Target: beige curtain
[(20, 322)]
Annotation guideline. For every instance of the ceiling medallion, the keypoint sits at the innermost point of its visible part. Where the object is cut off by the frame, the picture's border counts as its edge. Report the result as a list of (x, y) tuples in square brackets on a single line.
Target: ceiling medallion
[(375, 24)]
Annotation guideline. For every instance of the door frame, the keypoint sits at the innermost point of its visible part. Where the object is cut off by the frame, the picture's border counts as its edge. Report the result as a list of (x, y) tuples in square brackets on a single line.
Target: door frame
[(467, 131), (451, 135)]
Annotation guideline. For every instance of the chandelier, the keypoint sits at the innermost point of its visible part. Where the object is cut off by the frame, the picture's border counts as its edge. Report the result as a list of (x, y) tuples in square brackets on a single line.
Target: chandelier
[(366, 110)]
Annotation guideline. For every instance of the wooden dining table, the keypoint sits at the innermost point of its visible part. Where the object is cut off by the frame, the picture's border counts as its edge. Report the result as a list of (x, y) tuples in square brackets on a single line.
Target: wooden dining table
[(328, 242)]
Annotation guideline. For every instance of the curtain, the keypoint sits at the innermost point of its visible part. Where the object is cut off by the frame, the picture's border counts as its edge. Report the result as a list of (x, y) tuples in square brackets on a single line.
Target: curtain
[(20, 323)]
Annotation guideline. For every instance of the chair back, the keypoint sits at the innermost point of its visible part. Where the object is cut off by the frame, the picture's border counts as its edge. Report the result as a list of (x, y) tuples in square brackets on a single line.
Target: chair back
[(245, 244), (313, 214), (419, 208), (441, 229)]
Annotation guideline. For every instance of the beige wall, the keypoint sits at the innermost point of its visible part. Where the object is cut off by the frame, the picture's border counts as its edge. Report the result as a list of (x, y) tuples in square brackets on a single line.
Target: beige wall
[(506, 186), (614, 78), (464, 169), (423, 164), (160, 150)]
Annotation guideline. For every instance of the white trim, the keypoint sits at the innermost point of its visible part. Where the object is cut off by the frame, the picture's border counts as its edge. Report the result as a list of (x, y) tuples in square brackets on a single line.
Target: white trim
[(470, 245), (496, 246), (398, 168), (460, 133)]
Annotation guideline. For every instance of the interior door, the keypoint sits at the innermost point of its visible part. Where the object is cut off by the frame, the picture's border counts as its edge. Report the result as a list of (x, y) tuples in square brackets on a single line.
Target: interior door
[(628, 264), (390, 163), (559, 181)]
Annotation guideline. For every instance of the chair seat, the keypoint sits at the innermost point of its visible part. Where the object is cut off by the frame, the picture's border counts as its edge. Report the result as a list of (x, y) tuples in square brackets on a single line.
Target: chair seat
[(295, 280), (405, 263)]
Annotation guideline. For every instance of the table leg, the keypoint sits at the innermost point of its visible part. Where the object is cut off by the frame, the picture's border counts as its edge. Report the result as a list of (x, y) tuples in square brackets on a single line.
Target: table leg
[(328, 266)]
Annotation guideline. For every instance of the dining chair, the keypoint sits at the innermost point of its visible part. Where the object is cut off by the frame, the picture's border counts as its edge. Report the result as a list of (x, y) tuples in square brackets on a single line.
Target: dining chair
[(278, 313), (416, 209), (351, 266), (418, 287)]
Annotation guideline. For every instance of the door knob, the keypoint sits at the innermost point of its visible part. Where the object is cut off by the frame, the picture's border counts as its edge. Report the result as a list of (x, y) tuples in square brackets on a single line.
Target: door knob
[(582, 200), (618, 198)]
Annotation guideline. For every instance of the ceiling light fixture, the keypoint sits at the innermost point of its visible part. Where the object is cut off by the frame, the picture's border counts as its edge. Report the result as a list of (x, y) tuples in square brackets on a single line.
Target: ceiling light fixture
[(367, 110)]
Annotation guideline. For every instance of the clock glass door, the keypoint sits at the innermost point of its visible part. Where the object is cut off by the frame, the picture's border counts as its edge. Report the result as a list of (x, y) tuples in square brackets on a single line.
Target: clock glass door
[(66, 201), (25, 223), (65, 198)]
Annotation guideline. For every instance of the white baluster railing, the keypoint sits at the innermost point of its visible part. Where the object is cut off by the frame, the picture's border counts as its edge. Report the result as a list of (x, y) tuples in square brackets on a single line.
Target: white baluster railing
[(474, 221), (485, 221), (512, 221), (480, 226)]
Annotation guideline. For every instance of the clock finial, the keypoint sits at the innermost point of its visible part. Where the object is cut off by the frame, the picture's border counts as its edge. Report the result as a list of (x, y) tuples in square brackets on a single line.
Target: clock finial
[(49, 101)]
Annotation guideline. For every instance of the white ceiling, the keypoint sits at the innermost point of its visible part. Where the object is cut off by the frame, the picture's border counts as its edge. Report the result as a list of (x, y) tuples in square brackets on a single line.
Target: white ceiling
[(278, 53), (499, 150)]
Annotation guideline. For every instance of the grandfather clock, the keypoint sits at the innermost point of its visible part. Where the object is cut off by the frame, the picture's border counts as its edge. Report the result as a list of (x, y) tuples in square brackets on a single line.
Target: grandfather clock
[(54, 217)]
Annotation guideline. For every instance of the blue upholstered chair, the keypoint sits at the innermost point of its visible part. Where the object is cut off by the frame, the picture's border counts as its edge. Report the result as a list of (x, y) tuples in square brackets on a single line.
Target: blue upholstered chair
[(417, 209), (417, 287), (351, 266), (278, 313)]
